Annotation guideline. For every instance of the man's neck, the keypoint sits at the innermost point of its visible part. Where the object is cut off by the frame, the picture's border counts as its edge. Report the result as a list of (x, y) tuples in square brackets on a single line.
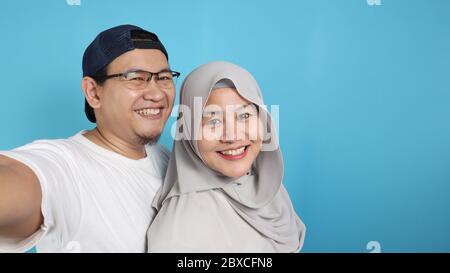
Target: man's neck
[(116, 144)]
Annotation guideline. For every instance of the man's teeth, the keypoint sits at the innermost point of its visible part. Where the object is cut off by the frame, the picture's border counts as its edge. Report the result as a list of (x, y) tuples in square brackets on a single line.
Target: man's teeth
[(233, 152), (148, 111)]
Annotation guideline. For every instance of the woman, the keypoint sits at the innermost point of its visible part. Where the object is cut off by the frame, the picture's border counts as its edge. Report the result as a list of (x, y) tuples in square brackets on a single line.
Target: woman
[(223, 190)]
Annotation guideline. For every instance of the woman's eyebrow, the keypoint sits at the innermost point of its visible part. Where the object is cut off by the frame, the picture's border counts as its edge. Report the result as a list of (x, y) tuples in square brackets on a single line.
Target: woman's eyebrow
[(243, 106), (213, 112), (210, 113)]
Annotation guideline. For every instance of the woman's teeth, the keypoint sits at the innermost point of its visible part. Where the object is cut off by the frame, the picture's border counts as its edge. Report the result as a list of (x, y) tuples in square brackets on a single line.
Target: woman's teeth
[(148, 111), (234, 152)]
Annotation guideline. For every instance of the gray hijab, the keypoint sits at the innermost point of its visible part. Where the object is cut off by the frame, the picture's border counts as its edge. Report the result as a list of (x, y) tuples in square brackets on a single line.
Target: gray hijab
[(259, 197)]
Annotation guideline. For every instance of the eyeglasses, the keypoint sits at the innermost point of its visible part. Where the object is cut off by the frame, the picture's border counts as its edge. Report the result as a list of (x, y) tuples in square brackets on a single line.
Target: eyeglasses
[(139, 79)]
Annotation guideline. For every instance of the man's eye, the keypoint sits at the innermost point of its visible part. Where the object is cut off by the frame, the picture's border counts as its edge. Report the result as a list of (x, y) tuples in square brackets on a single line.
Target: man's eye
[(164, 77), (135, 76), (136, 79)]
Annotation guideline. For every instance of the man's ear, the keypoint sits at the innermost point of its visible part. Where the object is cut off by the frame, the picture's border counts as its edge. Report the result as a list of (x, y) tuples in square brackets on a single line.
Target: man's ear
[(92, 91)]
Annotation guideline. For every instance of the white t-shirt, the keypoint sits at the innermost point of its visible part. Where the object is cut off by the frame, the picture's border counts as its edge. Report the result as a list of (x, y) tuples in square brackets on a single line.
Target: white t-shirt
[(93, 200)]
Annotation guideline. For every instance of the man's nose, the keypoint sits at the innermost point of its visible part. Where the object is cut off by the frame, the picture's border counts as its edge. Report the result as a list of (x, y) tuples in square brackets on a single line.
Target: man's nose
[(153, 92)]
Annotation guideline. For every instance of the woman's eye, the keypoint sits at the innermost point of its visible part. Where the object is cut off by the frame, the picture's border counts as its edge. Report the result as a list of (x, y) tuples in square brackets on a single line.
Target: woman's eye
[(214, 122), (244, 116)]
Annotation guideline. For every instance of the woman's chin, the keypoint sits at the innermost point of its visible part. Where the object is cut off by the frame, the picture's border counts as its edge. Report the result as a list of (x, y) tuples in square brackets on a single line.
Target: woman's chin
[(234, 173)]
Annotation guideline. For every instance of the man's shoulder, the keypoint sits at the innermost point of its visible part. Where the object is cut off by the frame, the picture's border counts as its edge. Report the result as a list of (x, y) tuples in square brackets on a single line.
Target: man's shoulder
[(52, 149), (49, 159), (48, 145)]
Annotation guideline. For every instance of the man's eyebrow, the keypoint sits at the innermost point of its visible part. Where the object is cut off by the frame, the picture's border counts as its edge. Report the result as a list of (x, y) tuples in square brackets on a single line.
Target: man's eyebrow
[(167, 69), (136, 69)]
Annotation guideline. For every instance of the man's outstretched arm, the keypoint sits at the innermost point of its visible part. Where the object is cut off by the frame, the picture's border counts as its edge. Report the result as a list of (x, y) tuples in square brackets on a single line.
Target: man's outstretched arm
[(20, 200)]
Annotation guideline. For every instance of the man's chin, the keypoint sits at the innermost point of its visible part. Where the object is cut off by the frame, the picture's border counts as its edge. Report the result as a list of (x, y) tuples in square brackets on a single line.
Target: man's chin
[(146, 136), (148, 139)]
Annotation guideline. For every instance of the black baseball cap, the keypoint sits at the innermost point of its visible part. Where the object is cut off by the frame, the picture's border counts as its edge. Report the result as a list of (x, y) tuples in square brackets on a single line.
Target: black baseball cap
[(110, 44)]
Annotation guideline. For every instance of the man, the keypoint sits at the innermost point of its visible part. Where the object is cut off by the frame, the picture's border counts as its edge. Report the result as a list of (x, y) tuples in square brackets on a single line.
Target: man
[(93, 192)]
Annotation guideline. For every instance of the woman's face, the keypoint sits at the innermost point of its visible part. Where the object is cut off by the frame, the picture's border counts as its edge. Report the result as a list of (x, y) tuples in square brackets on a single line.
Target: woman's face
[(230, 133)]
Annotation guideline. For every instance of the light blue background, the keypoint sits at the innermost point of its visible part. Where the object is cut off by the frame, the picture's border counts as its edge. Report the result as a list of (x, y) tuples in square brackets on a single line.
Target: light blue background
[(364, 95)]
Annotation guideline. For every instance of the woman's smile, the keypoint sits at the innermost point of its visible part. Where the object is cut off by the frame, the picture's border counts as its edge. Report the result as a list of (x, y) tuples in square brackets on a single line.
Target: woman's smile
[(235, 153)]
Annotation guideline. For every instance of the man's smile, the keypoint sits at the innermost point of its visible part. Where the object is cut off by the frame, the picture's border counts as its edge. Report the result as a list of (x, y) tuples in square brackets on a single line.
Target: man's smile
[(149, 113)]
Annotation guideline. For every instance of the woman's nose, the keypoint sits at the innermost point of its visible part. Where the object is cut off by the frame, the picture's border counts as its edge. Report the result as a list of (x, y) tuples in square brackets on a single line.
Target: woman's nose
[(233, 131)]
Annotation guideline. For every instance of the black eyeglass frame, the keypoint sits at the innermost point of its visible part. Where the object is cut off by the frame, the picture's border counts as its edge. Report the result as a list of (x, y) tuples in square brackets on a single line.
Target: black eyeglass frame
[(174, 74)]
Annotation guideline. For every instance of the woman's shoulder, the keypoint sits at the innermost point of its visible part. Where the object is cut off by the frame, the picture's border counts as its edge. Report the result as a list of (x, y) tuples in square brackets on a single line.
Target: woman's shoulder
[(194, 205)]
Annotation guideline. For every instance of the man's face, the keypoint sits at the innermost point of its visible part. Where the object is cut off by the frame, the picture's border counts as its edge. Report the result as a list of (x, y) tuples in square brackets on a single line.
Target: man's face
[(135, 115)]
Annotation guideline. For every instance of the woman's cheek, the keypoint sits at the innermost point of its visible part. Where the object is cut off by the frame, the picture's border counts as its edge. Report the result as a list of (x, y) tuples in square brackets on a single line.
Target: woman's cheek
[(254, 130)]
